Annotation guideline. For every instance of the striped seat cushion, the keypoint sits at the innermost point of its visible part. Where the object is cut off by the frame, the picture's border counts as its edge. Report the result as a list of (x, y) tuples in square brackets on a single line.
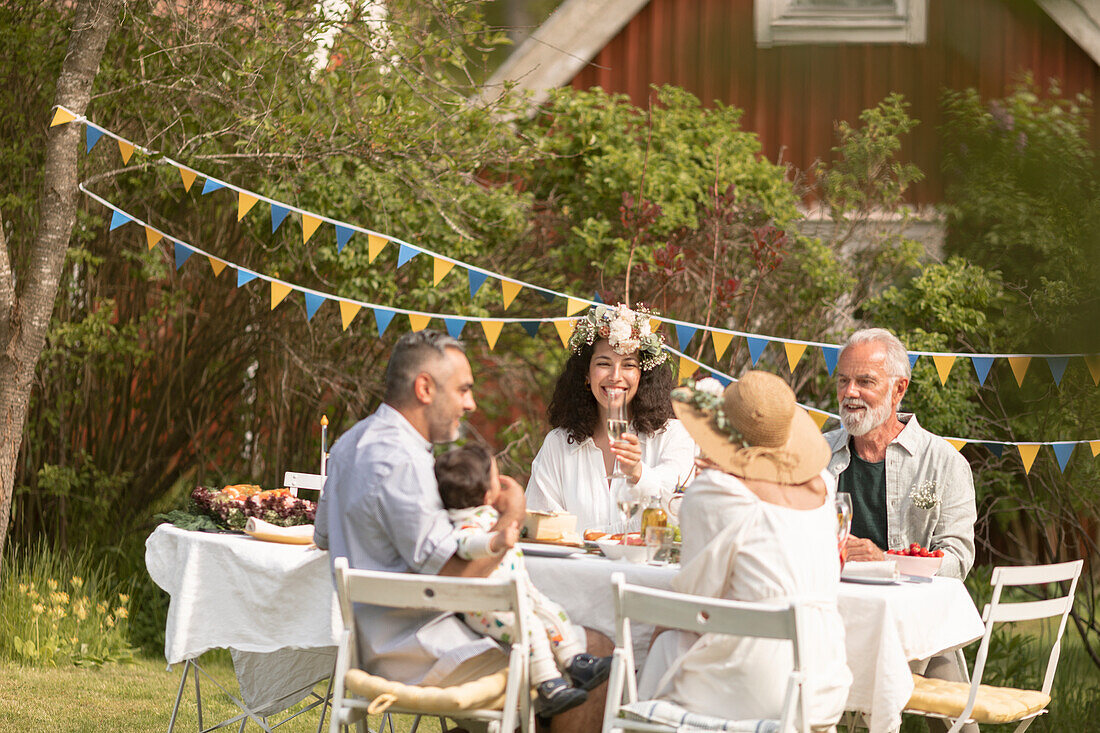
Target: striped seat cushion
[(672, 715)]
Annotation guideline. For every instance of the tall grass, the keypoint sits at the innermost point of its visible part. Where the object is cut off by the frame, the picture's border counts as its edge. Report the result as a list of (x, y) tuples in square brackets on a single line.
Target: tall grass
[(61, 608)]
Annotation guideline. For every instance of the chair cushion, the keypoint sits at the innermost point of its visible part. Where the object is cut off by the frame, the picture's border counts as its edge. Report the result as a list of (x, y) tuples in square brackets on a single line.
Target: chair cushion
[(671, 714), (993, 704), (484, 693)]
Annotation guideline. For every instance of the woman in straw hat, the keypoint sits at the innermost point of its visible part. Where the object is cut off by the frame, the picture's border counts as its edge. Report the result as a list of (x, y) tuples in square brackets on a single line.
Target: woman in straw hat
[(615, 356), (758, 524)]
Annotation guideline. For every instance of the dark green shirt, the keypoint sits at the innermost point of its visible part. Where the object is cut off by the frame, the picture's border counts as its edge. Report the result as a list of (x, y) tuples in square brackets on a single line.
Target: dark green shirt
[(866, 482)]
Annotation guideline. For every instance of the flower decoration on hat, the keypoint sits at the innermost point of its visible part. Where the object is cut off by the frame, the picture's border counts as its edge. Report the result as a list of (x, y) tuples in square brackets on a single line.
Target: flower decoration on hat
[(705, 395), (626, 330)]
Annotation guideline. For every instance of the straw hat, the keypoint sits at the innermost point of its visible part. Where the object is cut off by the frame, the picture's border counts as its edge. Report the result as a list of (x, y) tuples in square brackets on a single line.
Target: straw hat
[(754, 429)]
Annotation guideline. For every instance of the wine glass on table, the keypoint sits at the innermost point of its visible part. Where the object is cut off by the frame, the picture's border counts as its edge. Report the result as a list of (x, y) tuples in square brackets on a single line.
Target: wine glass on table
[(617, 424), (844, 522)]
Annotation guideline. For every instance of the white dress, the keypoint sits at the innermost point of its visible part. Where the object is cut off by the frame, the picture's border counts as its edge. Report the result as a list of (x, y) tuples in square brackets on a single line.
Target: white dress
[(739, 547), (571, 477)]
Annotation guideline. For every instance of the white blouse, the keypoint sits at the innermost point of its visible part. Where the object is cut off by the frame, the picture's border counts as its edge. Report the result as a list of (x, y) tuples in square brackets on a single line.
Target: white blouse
[(571, 477)]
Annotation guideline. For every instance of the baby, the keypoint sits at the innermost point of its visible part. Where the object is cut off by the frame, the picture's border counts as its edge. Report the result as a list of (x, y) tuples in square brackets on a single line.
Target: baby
[(469, 485)]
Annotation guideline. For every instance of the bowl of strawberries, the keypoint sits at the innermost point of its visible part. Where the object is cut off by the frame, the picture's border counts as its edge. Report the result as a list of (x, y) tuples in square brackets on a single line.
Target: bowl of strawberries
[(917, 560), (630, 547)]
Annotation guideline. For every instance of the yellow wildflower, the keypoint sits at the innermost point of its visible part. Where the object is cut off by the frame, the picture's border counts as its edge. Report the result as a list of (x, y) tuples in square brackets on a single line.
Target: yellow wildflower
[(38, 609), (81, 612), (121, 612), (32, 594), (77, 581), (57, 612), (59, 597), (73, 640), (23, 588), (110, 622), (101, 607), (51, 583), (123, 598)]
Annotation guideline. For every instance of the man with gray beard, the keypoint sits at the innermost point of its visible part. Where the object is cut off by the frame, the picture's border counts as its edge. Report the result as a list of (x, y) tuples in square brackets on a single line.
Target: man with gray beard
[(907, 485)]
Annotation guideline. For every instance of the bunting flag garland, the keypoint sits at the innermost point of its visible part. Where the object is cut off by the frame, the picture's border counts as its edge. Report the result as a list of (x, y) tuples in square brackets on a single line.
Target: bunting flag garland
[(818, 417), (348, 312), (244, 277), (943, 366), (509, 289), (492, 332), (152, 236), (1062, 451), (117, 220), (182, 253), (377, 241), (996, 449), (686, 370), (684, 334), (1094, 446), (721, 342), (313, 302), (956, 443), (565, 330), (382, 318), (279, 291), (454, 326), (216, 265), (440, 268), (1028, 451), (531, 327), (418, 322), (1019, 366), (794, 354), (405, 254)]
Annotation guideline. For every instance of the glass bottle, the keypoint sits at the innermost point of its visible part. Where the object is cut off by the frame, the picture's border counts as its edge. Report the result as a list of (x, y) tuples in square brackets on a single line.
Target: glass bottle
[(653, 515)]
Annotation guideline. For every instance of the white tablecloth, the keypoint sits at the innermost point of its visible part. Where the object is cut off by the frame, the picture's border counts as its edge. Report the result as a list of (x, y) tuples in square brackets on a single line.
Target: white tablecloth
[(263, 601), (886, 626)]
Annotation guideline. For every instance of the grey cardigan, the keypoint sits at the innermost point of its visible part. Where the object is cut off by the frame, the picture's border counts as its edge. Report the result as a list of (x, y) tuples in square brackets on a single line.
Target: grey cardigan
[(912, 458)]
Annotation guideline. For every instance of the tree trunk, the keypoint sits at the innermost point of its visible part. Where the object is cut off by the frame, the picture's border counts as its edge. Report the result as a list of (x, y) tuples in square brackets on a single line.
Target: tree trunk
[(26, 302)]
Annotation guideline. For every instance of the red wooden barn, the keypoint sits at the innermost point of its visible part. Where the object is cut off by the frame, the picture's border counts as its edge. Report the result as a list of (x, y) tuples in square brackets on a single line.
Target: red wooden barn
[(797, 66)]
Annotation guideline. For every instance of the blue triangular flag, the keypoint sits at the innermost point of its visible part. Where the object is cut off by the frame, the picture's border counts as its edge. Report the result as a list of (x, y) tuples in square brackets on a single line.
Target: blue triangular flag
[(382, 317), (117, 220), (211, 185), (278, 213), (477, 279), (546, 295), (1062, 451), (996, 449), (1057, 366), (756, 347), (726, 381), (454, 326), (182, 253), (982, 365), (531, 327), (830, 353), (343, 234), (94, 133), (244, 276), (405, 254), (596, 297), (913, 360), (684, 334), (313, 302)]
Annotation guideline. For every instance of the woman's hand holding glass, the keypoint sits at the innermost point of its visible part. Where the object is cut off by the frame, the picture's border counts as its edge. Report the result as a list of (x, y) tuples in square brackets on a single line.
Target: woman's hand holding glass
[(844, 523)]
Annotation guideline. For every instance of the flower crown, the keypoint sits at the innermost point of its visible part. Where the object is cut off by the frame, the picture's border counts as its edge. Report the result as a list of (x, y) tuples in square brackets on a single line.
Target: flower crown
[(705, 395), (626, 331)]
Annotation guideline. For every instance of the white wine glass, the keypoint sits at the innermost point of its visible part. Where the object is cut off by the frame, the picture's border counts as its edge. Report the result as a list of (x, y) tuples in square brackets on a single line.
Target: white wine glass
[(844, 521), (616, 424)]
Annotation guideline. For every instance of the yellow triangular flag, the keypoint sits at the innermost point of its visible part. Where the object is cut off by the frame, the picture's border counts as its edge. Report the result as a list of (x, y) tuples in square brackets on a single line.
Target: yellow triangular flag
[(309, 226), (1028, 453), (348, 311), (565, 330), (278, 292), (419, 322), (819, 418), (943, 363), (126, 149), (1094, 445), (61, 116), (510, 290), (216, 265), (245, 201), (152, 236), (572, 305), (687, 369), (654, 324), (955, 442), (492, 332), (188, 176), (375, 244), (440, 268), (721, 342), (794, 353), (1093, 363), (1019, 366)]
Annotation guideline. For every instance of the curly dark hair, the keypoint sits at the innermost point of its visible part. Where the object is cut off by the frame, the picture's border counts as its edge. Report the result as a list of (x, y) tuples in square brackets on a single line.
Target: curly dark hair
[(463, 475), (573, 406)]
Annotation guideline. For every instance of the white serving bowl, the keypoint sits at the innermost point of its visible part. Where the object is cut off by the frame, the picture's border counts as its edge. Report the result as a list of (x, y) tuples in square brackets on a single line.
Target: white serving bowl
[(924, 567), (614, 550)]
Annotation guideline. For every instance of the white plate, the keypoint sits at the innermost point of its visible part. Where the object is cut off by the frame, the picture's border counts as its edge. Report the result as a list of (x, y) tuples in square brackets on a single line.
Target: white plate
[(540, 549), (868, 581)]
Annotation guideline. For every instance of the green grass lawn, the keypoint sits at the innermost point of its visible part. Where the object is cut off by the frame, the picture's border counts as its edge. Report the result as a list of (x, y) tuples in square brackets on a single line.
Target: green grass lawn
[(125, 698)]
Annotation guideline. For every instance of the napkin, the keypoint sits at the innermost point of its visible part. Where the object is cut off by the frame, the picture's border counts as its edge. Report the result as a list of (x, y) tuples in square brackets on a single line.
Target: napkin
[(301, 534), (875, 569)]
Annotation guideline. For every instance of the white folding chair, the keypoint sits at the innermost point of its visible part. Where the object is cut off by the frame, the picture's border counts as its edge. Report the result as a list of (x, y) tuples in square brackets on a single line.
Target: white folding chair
[(701, 615), (434, 593), (311, 481), (978, 703)]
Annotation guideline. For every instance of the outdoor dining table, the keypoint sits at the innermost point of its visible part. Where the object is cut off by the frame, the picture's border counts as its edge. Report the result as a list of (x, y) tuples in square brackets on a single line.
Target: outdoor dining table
[(275, 608)]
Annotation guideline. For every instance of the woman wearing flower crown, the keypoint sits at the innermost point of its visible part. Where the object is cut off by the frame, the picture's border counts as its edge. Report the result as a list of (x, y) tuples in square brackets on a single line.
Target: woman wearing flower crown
[(615, 356)]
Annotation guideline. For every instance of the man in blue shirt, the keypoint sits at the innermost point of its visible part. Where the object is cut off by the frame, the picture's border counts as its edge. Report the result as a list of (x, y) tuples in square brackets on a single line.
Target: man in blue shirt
[(381, 509)]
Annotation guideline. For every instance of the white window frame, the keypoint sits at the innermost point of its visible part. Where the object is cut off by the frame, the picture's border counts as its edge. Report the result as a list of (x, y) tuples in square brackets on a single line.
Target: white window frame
[(778, 23)]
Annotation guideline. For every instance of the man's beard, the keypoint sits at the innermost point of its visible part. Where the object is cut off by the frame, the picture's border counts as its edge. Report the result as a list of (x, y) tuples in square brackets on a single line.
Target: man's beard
[(863, 422)]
